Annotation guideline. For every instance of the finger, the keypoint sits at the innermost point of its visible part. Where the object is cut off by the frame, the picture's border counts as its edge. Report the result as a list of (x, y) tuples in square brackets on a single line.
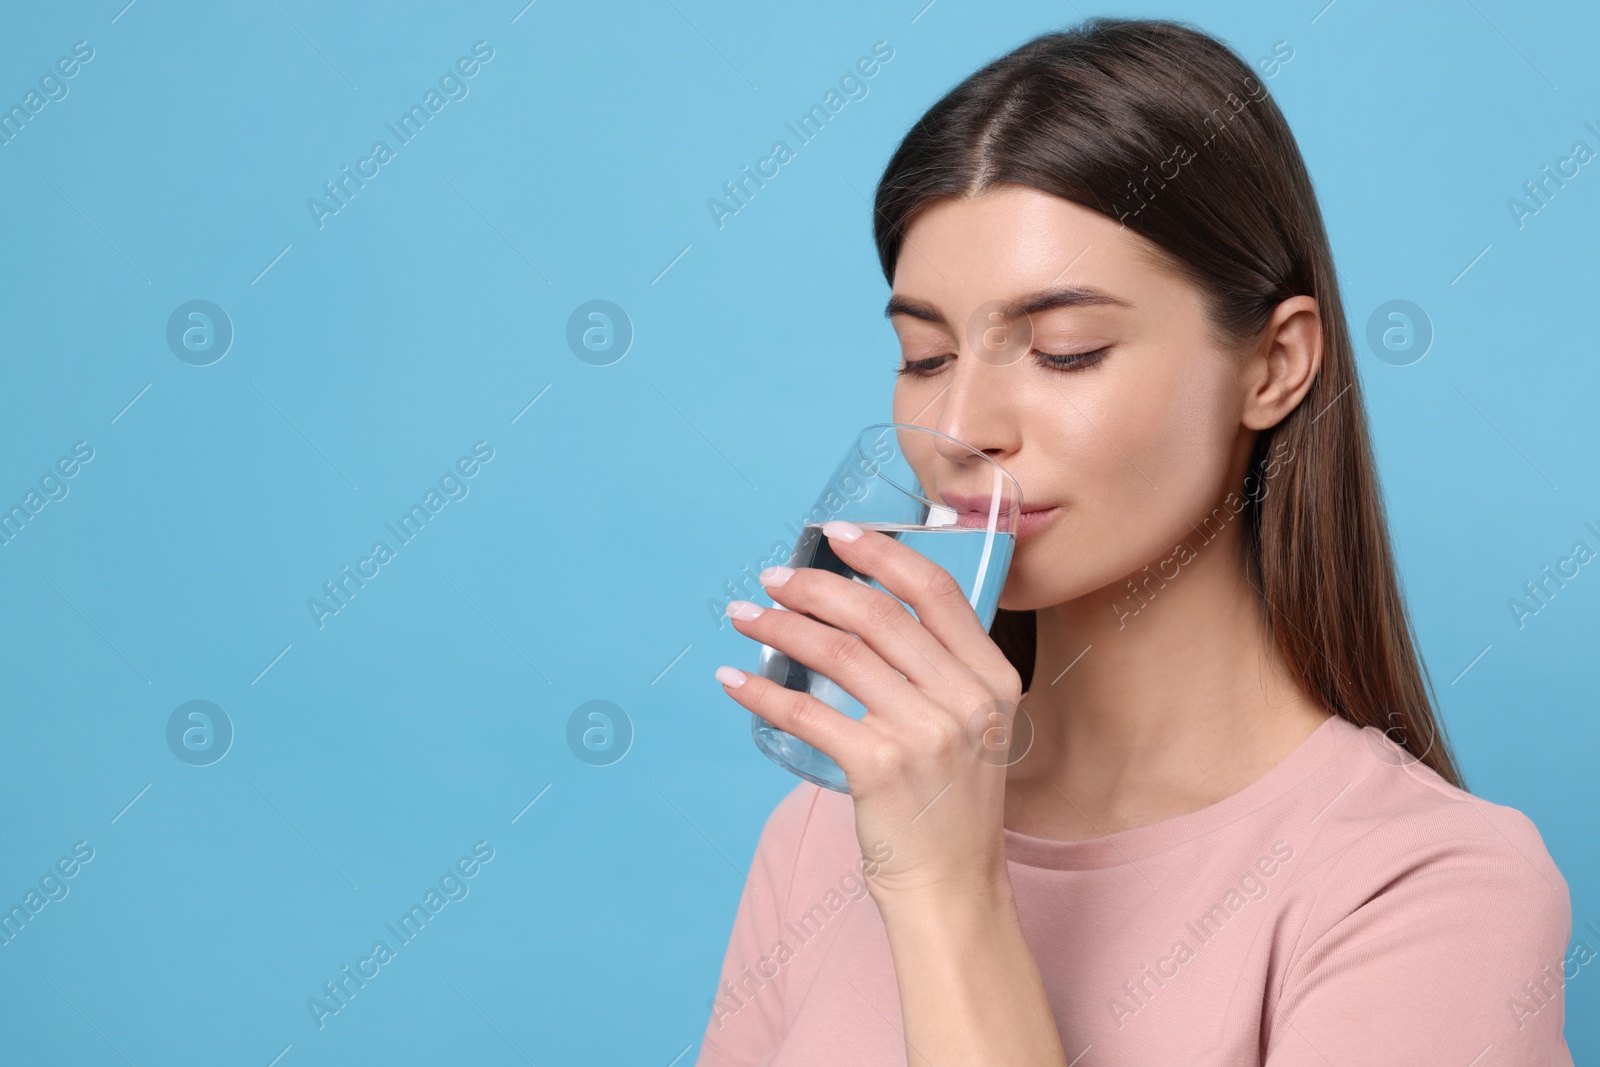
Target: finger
[(877, 617), (930, 590), (830, 651), (833, 733)]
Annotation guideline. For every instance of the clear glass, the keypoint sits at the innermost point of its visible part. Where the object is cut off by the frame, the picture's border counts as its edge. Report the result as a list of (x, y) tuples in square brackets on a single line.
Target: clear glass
[(930, 491)]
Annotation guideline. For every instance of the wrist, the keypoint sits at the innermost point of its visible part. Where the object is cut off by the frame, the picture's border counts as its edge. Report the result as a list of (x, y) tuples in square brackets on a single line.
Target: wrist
[(984, 891)]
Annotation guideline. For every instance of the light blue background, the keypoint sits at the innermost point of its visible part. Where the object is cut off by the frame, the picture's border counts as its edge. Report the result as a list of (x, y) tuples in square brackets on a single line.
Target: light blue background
[(430, 311)]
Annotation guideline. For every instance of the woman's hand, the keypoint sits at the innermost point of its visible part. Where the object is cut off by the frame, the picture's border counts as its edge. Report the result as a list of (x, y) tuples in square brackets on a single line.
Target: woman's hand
[(927, 763), (927, 771)]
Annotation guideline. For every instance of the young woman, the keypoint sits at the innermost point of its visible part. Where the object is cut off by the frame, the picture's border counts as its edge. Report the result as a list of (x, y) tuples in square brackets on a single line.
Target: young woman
[(1236, 834)]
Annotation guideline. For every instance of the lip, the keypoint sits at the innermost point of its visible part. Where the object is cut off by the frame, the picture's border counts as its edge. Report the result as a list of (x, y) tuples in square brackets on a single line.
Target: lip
[(974, 511)]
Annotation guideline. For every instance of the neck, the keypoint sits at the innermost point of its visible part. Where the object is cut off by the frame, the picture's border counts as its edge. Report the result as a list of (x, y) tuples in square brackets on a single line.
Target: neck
[(1154, 700)]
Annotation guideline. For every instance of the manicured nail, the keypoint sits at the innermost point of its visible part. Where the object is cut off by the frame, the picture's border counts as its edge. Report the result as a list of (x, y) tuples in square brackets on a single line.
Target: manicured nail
[(743, 610), (776, 575), (731, 677), (839, 530)]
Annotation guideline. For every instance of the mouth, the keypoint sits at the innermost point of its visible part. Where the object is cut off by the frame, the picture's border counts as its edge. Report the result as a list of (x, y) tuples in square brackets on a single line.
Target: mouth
[(974, 511)]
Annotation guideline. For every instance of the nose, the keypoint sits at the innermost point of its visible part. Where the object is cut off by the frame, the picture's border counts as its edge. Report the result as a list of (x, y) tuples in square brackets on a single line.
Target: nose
[(978, 408)]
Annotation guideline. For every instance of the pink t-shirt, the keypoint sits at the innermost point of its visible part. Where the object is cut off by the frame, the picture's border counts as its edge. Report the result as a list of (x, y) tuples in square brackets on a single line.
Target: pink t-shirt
[(1348, 907)]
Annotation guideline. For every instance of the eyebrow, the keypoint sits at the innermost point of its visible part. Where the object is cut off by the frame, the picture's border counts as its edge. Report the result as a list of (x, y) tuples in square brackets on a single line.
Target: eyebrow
[(1045, 300)]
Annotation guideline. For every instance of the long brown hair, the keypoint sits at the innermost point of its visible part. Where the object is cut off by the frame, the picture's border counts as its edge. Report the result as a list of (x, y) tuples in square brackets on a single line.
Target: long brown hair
[(1157, 125)]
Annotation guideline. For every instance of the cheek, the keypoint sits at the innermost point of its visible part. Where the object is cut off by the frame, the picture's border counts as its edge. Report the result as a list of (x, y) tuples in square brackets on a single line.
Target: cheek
[(917, 401), (1152, 438), (1179, 430), (1146, 453)]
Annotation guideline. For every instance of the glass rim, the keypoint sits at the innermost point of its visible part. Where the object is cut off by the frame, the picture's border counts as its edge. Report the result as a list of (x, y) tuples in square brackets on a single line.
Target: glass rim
[(882, 426)]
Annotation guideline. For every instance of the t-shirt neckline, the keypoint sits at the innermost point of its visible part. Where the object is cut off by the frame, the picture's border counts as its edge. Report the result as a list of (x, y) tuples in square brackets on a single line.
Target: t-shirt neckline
[(1316, 756)]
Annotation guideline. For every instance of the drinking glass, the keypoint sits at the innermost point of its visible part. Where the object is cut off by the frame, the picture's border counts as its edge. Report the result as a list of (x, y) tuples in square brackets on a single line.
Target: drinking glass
[(928, 490)]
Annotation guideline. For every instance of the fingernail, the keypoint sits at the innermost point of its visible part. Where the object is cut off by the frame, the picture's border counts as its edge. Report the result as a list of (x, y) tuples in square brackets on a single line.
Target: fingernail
[(839, 530), (731, 677), (776, 575), (743, 610)]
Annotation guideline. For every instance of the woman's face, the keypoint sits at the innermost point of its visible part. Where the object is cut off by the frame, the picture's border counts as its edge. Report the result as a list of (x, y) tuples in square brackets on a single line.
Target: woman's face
[(1131, 439)]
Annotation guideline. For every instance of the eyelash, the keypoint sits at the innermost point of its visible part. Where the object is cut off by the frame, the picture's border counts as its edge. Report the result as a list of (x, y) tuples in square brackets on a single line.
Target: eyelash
[(1071, 362)]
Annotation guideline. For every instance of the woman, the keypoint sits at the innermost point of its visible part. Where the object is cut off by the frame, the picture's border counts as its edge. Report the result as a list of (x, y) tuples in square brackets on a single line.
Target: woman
[(1236, 834)]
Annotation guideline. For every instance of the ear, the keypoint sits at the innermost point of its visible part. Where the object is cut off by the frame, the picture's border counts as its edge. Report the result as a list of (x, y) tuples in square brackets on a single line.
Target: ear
[(1280, 372)]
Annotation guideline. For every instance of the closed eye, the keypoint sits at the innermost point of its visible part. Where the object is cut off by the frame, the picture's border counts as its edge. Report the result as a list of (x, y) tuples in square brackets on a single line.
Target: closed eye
[(1070, 361)]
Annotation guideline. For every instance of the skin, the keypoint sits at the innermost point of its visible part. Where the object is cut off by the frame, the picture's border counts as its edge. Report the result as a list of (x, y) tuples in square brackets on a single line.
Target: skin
[(1141, 708)]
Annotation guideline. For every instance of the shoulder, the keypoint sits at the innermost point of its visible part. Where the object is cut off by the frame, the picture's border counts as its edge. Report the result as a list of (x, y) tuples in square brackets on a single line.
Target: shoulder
[(1397, 812), (1431, 914), (787, 821), (807, 822), (1400, 846), (808, 838)]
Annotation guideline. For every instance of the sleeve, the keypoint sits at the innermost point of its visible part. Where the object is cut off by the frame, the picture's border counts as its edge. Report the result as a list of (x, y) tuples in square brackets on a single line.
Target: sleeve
[(1459, 957), (746, 1025)]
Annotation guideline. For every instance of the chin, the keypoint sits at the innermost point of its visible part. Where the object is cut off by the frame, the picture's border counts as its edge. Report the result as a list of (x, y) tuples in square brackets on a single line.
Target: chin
[(1023, 595), (1036, 584)]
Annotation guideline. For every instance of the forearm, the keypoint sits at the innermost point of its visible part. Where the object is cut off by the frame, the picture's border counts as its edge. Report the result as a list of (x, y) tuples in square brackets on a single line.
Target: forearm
[(970, 990)]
